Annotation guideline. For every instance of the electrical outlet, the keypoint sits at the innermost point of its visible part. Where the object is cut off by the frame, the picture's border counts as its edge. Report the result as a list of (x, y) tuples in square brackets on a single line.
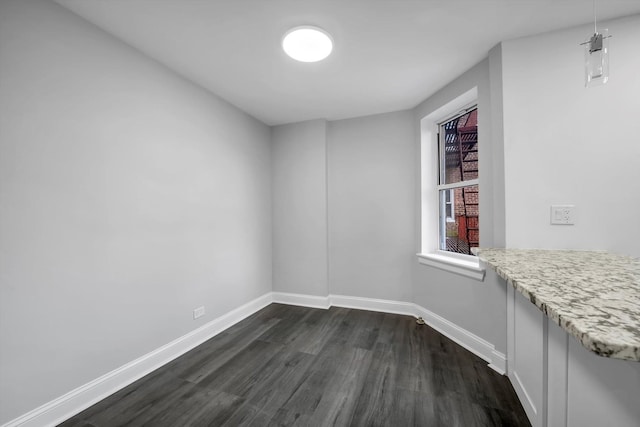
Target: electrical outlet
[(563, 214), (198, 312)]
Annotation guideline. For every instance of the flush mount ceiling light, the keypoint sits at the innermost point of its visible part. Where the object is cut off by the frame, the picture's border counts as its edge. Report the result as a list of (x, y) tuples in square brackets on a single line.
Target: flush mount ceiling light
[(307, 43)]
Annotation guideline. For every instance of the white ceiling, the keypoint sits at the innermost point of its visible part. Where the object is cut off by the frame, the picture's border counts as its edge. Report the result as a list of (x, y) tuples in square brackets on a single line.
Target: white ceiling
[(389, 55)]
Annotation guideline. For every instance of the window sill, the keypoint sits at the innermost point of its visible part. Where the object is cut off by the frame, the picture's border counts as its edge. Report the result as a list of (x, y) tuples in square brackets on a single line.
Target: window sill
[(468, 268)]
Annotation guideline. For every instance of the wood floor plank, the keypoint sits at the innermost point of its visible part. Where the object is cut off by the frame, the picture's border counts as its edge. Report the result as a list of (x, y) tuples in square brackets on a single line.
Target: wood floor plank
[(419, 406), (247, 415), (337, 403), (307, 396), (298, 366), (242, 370), (297, 333), (197, 407), (375, 402), (211, 355), (152, 393), (279, 380), (284, 418), (358, 328), (452, 409), (389, 325), (321, 330)]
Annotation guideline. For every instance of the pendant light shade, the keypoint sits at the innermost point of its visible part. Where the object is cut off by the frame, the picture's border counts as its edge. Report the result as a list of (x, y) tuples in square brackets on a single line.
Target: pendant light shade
[(596, 55)]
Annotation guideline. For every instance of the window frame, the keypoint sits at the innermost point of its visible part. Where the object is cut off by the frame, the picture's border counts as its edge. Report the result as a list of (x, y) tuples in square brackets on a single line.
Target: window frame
[(430, 255), (443, 220)]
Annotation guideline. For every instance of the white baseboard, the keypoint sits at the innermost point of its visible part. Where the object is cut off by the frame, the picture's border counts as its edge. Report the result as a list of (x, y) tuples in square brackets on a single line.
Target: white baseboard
[(473, 343), (372, 304), (70, 404), (64, 407), (498, 362), (302, 300)]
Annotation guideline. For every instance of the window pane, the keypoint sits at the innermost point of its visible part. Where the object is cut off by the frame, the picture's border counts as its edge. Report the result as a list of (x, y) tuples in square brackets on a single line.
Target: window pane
[(449, 204), (461, 232), (449, 210), (459, 148)]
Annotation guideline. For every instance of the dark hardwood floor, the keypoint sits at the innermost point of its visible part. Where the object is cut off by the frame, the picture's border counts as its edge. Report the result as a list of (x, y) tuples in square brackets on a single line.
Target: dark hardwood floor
[(289, 365)]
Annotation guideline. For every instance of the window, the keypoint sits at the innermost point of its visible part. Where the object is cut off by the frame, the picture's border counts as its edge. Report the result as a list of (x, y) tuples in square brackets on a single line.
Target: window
[(457, 184), (449, 220)]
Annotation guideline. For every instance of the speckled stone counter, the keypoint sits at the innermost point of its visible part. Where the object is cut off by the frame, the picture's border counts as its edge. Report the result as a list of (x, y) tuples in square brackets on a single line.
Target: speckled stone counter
[(594, 296)]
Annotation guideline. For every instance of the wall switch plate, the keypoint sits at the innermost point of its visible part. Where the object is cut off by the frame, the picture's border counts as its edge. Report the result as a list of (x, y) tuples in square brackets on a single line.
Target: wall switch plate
[(563, 214), (198, 312)]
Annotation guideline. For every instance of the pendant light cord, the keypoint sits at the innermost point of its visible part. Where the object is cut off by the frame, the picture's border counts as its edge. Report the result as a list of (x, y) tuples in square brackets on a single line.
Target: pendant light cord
[(595, 27)]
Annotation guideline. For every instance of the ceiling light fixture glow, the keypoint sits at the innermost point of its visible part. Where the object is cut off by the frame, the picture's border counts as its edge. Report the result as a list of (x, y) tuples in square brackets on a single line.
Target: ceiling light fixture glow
[(307, 44)]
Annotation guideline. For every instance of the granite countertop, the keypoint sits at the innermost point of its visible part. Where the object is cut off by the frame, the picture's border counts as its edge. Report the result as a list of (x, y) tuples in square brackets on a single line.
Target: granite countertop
[(594, 296)]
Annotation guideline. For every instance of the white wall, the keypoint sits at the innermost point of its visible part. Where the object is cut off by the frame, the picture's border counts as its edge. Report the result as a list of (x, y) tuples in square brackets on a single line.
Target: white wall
[(478, 307), (300, 208), (565, 144), (371, 174), (496, 202), (128, 197), (343, 207)]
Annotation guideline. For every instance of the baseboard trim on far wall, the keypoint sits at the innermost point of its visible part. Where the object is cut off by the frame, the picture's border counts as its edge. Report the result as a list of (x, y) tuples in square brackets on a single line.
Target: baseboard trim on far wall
[(359, 303), (302, 300), (372, 304), (77, 400)]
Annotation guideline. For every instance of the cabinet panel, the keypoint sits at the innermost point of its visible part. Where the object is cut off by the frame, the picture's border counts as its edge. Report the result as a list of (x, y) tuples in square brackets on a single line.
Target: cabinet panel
[(602, 391), (528, 362), (557, 342)]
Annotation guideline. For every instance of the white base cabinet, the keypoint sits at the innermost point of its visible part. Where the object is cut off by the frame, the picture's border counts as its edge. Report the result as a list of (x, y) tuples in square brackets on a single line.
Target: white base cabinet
[(558, 381)]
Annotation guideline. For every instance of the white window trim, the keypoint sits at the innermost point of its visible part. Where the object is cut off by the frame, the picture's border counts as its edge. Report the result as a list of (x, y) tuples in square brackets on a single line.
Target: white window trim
[(431, 255), (465, 265)]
